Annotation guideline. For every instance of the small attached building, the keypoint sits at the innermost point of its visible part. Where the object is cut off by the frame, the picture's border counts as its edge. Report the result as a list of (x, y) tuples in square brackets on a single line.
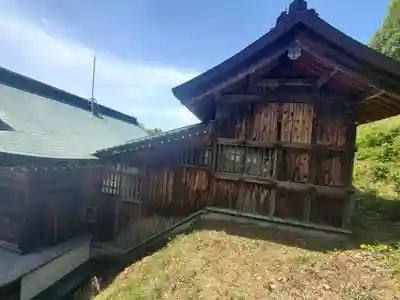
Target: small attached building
[(47, 170), (277, 136), (49, 179)]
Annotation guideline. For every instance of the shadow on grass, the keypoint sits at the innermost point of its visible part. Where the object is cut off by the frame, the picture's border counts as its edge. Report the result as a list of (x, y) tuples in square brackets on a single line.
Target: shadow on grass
[(106, 270), (375, 220)]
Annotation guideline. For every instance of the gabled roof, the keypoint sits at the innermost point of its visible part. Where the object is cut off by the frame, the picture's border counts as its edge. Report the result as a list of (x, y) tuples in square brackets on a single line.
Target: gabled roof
[(48, 122), (299, 17)]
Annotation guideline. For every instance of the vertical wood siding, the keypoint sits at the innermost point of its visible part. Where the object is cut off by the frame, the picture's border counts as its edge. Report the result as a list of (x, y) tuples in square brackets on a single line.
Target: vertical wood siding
[(258, 150)]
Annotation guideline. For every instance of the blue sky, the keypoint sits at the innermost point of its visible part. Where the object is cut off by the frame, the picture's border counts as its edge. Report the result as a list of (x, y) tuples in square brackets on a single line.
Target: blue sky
[(146, 47)]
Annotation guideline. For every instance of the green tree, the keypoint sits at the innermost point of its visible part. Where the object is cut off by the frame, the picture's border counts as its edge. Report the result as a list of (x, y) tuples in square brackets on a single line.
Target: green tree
[(387, 39), (154, 131)]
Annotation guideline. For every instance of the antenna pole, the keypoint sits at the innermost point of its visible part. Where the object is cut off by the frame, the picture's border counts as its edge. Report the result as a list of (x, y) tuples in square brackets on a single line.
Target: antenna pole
[(93, 75)]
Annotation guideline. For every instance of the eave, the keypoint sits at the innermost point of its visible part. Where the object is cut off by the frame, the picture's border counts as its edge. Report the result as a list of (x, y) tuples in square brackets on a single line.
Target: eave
[(383, 76)]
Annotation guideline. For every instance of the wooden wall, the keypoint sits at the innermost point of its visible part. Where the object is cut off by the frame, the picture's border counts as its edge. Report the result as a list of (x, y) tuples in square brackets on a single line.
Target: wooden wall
[(287, 160), (298, 153), (13, 187), (44, 206)]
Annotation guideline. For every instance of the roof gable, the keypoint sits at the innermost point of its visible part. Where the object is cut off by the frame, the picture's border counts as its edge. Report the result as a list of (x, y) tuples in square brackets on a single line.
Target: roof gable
[(288, 28)]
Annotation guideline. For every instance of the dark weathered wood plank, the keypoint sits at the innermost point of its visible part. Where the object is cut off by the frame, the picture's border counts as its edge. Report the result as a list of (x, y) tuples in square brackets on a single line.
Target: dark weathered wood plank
[(274, 83)]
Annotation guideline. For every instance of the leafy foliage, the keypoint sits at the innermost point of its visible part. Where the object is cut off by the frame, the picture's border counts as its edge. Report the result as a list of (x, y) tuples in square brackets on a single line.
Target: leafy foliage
[(154, 131), (377, 167), (387, 39)]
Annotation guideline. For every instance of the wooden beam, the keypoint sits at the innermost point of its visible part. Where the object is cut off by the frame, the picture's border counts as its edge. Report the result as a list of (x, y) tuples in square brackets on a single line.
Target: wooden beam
[(276, 144), (278, 82), (304, 43), (324, 79), (272, 202), (232, 80), (370, 95), (257, 75), (270, 97), (307, 207), (277, 96), (390, 103), (237, 98), (288, 185)]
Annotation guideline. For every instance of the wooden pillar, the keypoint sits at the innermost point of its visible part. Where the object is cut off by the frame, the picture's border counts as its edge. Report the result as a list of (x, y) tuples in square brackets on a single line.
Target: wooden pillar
[(349, 204), (275, 172), (307, 206)]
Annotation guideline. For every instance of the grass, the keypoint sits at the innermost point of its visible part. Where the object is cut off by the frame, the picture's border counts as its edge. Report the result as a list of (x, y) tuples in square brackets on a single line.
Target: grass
[(214, 264), (377, 168), (245, 263)]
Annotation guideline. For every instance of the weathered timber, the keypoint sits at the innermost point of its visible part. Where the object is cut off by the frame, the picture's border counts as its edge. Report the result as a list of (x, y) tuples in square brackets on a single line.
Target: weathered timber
[(42, 206), (283, 82), (317, 50), (275, 159), (282, 141), (259, 65), (324, 79)]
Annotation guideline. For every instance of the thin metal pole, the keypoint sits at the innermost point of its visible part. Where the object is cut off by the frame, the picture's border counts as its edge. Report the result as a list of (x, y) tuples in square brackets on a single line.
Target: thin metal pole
[(93, 75)]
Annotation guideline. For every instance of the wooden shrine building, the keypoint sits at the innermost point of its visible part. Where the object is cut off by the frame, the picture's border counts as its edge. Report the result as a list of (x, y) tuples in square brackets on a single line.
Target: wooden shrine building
[(47, 176), (277, 132)]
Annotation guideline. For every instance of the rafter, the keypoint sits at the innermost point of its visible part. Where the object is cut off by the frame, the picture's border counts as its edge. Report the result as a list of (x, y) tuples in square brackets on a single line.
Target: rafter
[(370, 95), (324, 79), (253, 69), (341, 68), (216, 89)]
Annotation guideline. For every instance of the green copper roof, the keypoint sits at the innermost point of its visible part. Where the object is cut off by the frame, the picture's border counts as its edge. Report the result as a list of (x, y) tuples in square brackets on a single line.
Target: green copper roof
[(56, 124)]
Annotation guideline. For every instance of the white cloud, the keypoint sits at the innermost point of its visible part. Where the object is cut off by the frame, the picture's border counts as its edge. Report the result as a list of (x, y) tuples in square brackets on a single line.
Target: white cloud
[(133, 87)]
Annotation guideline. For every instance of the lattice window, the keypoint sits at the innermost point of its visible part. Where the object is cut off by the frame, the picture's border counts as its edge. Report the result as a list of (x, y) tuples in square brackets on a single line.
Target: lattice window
[(245, 160), (196, 157), (111, 184), (259, 162), (230, 159), (123, 180)]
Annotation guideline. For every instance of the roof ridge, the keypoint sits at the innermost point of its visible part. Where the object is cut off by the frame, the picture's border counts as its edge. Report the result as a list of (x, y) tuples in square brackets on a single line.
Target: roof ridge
[(33, 86)]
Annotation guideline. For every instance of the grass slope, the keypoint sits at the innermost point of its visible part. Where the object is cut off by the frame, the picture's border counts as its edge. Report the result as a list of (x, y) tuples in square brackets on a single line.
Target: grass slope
[(212, 264), (377, 167)]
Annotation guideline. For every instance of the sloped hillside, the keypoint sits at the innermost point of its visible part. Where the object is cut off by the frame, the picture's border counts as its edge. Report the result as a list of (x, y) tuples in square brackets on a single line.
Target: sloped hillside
[(211, 264), (377, 167), (377, 173)]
